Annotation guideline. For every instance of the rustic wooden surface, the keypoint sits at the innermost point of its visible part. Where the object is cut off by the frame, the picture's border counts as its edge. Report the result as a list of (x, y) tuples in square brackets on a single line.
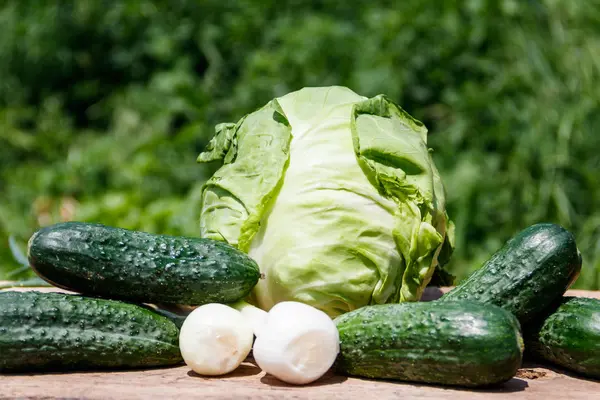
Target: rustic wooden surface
[(249, 382)]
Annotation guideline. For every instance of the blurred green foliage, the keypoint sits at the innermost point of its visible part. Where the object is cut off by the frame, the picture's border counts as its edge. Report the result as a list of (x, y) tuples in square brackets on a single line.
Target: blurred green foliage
[(104, 106)]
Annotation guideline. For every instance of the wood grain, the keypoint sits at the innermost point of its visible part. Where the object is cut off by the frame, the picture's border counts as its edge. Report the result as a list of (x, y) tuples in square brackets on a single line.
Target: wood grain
[(249, 382)]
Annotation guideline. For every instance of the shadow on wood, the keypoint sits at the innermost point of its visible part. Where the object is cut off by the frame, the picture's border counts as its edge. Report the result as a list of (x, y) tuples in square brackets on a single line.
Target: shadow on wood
[(511, 386), (557, 369), (61, 370), (244, 369), (327, 379)]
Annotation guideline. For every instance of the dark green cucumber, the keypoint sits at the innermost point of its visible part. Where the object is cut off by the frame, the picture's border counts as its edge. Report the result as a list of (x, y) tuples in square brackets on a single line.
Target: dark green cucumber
[(569, 336), (527, 275), (452, 343), (141, 267), (54, 331)]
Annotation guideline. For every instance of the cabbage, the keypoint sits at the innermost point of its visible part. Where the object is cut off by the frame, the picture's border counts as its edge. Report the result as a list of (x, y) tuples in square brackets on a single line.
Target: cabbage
[(334, 195)]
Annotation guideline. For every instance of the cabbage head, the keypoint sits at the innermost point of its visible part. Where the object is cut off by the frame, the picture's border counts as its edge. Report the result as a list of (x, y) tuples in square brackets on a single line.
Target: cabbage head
[(334, 195)]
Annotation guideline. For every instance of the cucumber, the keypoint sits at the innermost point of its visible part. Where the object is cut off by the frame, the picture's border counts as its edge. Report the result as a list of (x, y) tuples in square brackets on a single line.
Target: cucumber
[(452, 343), (54, 331), (141, 267), (569, 337), (527, 274)]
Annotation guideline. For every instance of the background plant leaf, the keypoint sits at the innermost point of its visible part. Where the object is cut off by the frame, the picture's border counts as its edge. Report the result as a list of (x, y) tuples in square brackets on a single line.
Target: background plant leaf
[(17, 253)]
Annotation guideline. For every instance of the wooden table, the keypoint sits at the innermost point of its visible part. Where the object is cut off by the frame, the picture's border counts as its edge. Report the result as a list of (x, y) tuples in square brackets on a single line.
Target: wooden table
[(249, 382)]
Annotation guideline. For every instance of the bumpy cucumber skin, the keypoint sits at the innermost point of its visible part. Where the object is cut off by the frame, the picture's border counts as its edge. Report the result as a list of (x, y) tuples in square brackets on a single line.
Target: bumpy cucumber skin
[(527, 274), (54, 331), (569, 337), (141, 267), (451, 343)]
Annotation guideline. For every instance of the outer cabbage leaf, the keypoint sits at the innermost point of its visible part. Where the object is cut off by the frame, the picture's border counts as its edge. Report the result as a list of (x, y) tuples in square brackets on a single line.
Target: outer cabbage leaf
[(391, 148), (255, 152)]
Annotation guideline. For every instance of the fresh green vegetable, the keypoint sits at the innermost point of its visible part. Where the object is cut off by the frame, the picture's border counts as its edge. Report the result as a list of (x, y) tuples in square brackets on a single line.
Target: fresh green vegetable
[(569, 336), (527, 275), (53, 331), (141, 267), (452, 343), (335, 196)]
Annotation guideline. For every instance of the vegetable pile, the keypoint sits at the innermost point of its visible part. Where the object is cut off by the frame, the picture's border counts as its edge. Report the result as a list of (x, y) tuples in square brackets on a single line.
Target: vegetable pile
[(318, 236)]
